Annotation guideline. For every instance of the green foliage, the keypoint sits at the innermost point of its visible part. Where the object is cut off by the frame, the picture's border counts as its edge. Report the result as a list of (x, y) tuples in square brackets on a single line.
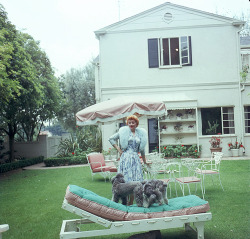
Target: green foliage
[(212, 128), (86, 139), (181, 151), (244, 73), (62, 161), (78, 88), (20, 164), (29, 91)]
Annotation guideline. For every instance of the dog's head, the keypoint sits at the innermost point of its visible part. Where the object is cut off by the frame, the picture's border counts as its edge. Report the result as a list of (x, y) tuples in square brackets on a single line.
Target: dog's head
[(148, 189), (119, 178)]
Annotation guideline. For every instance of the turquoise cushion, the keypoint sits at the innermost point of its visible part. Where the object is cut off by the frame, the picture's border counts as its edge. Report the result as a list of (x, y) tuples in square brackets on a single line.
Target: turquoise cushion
[(173, 203)]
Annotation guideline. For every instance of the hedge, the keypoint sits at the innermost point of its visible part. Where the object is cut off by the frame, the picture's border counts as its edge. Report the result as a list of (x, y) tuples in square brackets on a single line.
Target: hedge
[(63, 161), (20, 164)]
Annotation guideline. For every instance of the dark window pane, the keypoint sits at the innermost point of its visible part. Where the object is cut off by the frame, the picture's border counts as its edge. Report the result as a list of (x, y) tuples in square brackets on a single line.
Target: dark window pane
[(247, 129), (153, 59), (228, 117), (184, 53), (247, 122), (247, 108), (211, 121), (174, 49), (226, 131), (247, 115), (228, 123), (165, 51), (184, 60)]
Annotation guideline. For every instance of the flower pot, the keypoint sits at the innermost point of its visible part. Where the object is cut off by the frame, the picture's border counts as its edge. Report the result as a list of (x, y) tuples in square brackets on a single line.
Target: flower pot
[(179, 118), (235, 152), (215, 150)]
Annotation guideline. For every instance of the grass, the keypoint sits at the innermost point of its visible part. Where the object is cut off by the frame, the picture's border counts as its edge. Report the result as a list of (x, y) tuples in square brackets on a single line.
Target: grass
[(30, 202)]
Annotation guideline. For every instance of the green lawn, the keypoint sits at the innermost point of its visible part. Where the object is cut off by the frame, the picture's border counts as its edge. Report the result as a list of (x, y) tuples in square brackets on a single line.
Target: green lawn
[(30, 202)]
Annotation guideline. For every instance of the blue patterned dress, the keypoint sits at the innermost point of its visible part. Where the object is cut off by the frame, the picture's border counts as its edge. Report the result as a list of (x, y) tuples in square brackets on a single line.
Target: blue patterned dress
[(130, 163)]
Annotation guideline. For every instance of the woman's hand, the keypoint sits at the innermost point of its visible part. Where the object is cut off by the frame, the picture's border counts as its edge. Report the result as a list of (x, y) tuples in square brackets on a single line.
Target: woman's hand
[(120, 152)]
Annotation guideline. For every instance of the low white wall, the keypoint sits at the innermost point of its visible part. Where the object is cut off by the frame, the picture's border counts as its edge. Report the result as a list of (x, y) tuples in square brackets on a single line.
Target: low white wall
[(45, 146)]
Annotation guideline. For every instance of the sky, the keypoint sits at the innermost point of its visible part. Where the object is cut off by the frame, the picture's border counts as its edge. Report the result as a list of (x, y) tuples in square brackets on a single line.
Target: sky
[(65, 28)]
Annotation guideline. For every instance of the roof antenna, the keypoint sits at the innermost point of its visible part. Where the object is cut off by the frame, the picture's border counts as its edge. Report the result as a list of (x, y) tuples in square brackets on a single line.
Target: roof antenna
[(119, 7)]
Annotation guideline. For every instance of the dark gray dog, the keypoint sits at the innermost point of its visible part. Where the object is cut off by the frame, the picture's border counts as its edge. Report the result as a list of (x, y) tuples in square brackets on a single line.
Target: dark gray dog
[(160, 190), (121, 190), (149, 192)]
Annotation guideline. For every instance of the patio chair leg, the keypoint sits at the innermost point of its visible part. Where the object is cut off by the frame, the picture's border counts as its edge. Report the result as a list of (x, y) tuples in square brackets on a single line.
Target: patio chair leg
[(212, 179), (203, 176), (189, 189), (221, 183)]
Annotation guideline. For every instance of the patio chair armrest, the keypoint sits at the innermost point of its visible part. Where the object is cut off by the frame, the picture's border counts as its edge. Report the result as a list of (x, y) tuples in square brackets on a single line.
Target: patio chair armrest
[(99, 164)]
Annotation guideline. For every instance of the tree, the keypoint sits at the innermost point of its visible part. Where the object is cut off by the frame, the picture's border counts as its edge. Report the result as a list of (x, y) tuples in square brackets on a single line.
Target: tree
[(36, 97), (8, 87), (78, 87)]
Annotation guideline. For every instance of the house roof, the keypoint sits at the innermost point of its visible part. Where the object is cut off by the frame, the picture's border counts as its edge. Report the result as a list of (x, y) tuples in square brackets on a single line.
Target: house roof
[(170, 5)]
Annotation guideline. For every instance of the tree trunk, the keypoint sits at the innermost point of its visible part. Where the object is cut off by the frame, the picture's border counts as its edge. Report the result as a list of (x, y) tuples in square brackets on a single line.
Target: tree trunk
[(11, 135)]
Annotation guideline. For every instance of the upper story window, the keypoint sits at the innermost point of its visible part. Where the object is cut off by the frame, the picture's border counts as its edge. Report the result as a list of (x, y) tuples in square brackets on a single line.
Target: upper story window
[(169, 52)]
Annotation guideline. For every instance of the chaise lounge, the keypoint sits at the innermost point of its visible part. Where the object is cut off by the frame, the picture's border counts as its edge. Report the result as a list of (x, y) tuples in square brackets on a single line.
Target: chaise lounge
[(118, 219)]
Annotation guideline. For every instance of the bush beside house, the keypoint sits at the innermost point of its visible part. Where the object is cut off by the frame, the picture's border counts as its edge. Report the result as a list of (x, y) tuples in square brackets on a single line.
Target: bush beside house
[(63, 161)]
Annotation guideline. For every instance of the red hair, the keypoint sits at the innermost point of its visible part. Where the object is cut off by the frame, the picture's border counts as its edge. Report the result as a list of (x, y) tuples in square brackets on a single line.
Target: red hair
[(132, 117)]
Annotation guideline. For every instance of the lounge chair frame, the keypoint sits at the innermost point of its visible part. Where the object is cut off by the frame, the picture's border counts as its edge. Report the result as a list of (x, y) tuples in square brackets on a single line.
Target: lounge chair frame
[(70, 228)]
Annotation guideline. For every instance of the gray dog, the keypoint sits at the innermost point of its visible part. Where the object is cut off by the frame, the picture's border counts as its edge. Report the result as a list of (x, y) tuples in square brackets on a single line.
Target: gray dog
[(121, 190), (149, 192), (145, 193)]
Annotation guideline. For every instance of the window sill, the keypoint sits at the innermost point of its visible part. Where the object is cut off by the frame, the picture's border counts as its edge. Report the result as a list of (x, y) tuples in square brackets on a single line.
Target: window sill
[(217, 135), (170, 67)]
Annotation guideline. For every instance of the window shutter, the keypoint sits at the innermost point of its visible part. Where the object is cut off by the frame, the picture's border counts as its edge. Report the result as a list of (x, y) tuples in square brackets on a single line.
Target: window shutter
[(153, 58), (190, 51), (184, 62)]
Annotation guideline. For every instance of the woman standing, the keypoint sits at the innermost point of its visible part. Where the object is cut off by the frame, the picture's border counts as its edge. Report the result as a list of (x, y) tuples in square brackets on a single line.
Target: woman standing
[(132, 140)]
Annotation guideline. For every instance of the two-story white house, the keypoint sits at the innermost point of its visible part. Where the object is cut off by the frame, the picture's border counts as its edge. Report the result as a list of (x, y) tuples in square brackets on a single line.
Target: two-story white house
[(187, 58)]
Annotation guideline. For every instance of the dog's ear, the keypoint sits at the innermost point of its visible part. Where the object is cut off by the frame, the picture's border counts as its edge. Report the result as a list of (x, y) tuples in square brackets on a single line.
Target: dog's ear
[(113, 179), (165, 185)]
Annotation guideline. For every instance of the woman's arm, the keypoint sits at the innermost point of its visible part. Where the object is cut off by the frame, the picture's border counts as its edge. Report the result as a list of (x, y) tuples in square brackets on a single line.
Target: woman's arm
[(113, 140), (118, 149)]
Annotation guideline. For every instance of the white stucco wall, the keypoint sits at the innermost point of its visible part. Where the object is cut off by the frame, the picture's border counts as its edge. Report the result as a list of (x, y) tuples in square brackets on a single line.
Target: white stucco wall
[(212, 80)]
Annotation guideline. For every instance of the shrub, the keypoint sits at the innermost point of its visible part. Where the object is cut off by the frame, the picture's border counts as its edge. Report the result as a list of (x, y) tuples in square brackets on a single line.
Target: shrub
[(20, 164), (88, 139), (181, 151), (63, 161)]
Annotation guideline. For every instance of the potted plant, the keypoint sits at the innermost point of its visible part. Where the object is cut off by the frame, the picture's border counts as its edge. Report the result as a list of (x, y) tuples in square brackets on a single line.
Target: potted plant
[(178, 139), (215, 143), (235, 148), (170, 114), (178, 127), (191, 127), (179, 115), (189, 113), (164, 128)]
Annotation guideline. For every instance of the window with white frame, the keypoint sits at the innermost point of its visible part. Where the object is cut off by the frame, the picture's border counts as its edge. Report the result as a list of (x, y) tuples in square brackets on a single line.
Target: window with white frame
[(247, 118), (170, 52), (217, 120)]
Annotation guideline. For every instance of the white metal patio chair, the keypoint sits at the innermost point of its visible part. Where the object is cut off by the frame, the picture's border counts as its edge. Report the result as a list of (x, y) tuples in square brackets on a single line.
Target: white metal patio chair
[(97, 165), (189, 177), (157, 164), (211, 167)]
